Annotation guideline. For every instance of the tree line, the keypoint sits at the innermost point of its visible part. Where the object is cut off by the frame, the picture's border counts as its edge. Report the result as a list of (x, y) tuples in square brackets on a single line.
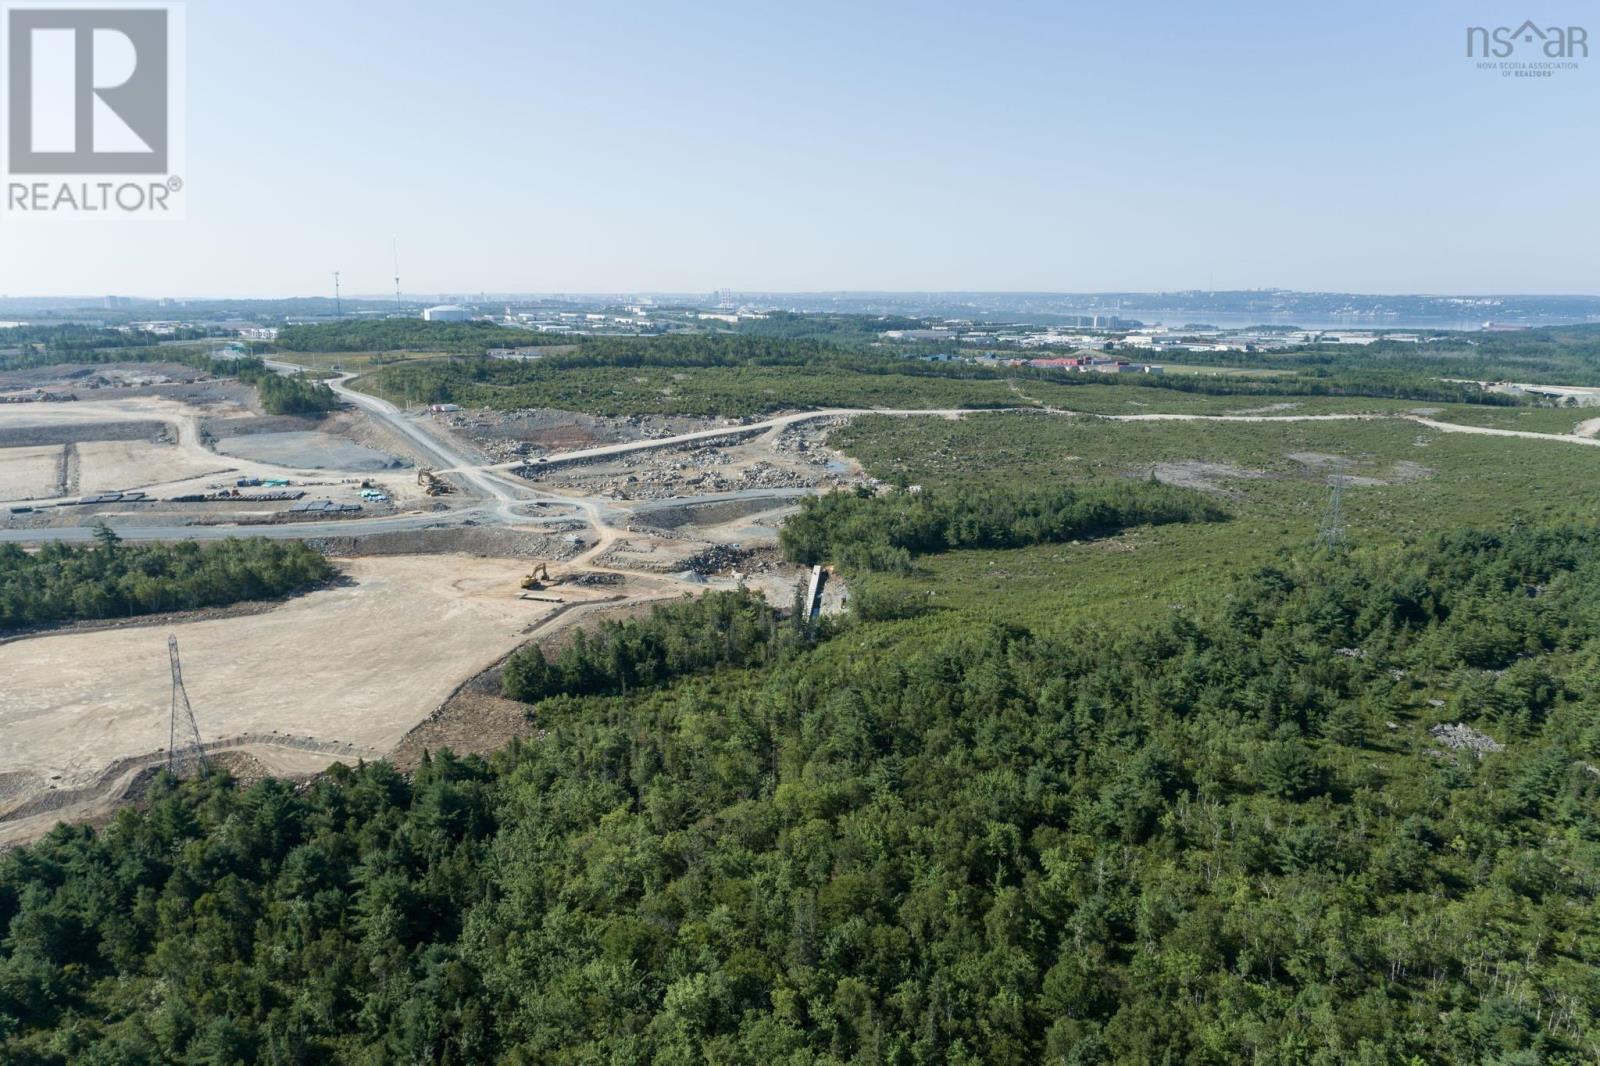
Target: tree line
[(1224, 836), (63, 583), (864, 531), (280, 394), (408, 334), (1552, 354), (718, 629), (736, 374)]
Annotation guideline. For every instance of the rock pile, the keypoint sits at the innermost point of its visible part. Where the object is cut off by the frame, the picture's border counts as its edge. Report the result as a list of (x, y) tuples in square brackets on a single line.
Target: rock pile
[(1462, 737), (718, 558)]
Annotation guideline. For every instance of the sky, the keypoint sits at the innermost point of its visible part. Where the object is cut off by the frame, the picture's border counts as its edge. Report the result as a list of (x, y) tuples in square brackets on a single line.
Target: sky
[(621, 146)]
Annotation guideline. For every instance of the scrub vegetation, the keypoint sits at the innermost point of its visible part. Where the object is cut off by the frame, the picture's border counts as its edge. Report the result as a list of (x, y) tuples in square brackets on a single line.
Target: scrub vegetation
[(1083, 776)]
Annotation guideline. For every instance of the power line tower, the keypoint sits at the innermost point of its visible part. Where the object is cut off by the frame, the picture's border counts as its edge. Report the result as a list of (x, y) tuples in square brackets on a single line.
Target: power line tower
[(1332, 533), (180, 700), (338, 304), (397, 302)]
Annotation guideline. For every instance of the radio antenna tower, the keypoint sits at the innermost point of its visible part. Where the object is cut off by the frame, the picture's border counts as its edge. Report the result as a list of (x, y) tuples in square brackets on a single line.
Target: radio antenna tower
[(397, 308), (180, 702), (338, 305), (1332, 533)]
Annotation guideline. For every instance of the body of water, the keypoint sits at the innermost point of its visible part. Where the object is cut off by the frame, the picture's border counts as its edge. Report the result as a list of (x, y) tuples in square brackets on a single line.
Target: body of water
[(1232, 320)]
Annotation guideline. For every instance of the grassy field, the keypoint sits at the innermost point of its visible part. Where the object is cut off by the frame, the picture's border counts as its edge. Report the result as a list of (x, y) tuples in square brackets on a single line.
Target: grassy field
[(1525, 419), (1403, 481), (758, 389), (331, 364), (703, 391)]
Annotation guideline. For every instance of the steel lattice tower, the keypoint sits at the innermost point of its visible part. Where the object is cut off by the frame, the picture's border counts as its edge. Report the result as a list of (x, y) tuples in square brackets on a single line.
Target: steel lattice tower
[(180, 701), (1332, 533)]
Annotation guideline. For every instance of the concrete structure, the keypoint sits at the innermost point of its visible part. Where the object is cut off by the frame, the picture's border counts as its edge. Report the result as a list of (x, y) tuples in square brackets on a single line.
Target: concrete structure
[(447, 313)]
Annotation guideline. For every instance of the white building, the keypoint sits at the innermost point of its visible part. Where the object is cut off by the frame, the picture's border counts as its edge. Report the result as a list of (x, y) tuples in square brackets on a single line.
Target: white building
[(447, 313)]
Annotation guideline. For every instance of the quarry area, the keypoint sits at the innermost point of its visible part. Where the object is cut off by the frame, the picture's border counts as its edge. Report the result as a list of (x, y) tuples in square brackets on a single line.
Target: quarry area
[(458, 538)]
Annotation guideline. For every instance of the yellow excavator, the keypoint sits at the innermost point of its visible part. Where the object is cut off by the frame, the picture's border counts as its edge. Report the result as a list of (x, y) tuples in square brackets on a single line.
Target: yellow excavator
[(538, 580), (432, 483)]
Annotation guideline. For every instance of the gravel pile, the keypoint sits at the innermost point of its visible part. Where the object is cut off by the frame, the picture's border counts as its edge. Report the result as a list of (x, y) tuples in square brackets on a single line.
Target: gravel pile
[(1464, 738), (719, 558)]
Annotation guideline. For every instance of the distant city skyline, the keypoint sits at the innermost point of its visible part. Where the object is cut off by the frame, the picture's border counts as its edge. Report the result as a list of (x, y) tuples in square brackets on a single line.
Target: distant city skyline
[(894, 147)]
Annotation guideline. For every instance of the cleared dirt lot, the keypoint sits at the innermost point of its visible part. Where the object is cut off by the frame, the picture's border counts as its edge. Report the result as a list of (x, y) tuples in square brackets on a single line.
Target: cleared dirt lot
[(307, 450), (107, 466), (359, 664), (122, 440), (29, 473)]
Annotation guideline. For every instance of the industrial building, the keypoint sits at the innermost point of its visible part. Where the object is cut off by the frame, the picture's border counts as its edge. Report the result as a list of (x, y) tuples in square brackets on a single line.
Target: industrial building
[(447, 313)]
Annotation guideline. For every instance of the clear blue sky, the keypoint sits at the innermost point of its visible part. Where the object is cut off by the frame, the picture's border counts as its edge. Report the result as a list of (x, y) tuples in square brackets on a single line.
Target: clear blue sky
[(633, 146)]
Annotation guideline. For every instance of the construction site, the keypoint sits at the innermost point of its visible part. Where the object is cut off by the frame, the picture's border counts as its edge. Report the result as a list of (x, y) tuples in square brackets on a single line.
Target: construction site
[(458, 537)]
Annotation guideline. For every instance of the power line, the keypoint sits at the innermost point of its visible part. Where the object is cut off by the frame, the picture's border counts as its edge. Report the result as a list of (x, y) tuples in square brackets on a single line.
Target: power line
[(180, 700), (1332, 533)]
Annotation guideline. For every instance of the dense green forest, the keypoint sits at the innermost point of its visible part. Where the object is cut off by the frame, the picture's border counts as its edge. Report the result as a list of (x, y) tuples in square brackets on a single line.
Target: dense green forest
[(61, 583), (1226, 835), (695, 636), (643, 381), (408, 334), (863, 531), (281, 394), (70, 343), (102, 346), (1553, 354), (739, 375)]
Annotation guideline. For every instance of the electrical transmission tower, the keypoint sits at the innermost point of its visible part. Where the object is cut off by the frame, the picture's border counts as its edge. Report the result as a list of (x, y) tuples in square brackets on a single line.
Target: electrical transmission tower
[(1332, 533), (180, 701)]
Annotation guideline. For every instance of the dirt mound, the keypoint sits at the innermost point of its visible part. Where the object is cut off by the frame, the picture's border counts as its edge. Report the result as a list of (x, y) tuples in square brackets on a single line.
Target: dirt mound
[(470, 723), (44, 436), (719, 558), (704, 514), (93, 376), (1207, 477), (247, 426), (1268, 409), (489, 542), (1406, 472), (1401, 473), (1317, 460)]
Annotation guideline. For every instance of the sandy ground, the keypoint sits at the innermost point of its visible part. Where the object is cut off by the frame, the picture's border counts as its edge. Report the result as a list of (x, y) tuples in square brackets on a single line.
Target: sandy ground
[(185, 466), (112, 466), (359, 664), (306, 450), (28, 473)]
